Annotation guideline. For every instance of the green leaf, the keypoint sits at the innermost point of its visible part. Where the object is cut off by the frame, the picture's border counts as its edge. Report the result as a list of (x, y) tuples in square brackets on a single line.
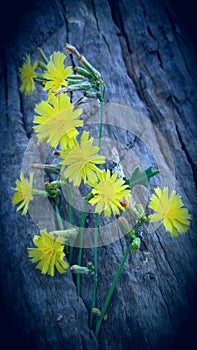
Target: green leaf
[(141, 177), (150, 173)]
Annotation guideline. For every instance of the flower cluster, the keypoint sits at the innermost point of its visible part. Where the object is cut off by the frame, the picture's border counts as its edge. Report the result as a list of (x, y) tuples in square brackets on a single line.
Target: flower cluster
[(58, 121)]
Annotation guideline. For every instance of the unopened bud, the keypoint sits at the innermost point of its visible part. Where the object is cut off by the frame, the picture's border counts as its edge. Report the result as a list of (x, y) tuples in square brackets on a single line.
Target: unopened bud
[(133, 212), (91, 94), (132, 234), (91, 268), (90, 265), (124, 225), (135, 245), (137, 212), (70, 233), (76, 77), (83, 72), (50, 168), (73, 81), (79, 269), (78, 87), (93, 72), (105, 317), (42, 66), (43, 56), (96, 312), (140, 211), (72, 50)]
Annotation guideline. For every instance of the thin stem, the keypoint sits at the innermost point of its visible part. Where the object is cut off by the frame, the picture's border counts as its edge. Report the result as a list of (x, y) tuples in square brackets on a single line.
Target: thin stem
[(95, 267), (70, 207), (101, 117), (97, 216), (79, 258), (109, 295), (70, 219), (59, 219)]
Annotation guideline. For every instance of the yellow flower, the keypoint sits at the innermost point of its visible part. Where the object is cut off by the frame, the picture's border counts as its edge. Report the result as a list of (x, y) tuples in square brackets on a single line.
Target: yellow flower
[(108, 193), (23, 193), (27, 74), (56, 73), (81, 160), (57, 121), (175, 218), (49, 253)]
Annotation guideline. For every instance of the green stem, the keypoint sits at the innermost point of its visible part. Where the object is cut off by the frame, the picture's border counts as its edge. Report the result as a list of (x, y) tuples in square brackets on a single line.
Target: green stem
[(97, 216), (109, 295), (79, 258), (70, 219), (95, 267), (101, 117), (59, 219)]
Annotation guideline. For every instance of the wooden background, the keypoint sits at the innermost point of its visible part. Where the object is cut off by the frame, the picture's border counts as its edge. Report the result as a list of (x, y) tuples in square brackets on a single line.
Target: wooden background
[(146, 56)]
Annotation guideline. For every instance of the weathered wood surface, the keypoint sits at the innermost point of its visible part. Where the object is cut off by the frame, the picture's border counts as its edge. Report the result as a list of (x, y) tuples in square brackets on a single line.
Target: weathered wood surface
[(148, 65)]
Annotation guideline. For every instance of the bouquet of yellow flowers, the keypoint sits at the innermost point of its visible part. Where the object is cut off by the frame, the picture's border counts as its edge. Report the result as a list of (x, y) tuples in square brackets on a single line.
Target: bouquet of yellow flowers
[(58, 122)]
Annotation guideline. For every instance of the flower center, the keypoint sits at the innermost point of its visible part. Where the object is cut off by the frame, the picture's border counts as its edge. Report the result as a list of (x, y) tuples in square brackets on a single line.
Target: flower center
[(59, 80), (170, 213), (106, 190), (83, 156), (26, 191)]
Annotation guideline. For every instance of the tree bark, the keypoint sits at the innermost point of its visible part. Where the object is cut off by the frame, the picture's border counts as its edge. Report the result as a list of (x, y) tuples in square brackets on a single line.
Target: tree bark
[(147, 62)]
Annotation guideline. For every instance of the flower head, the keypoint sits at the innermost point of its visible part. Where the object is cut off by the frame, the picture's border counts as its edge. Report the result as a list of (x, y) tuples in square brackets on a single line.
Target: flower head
[(57, 121), (49, 253), (56, 73), (27, 74), (23, 193), (108, 193), (175, 218), (81, 160)]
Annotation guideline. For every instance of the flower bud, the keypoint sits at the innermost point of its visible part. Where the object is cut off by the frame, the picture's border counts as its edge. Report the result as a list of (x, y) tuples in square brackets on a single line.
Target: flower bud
[(92, 94), (50, 168), (43, 56), (83, 72), (76, 87), (137, 212), (132, 234), (91, 268), (70, 233), (133, 212), (93, 72), (73, 81), (124, 225), (105, 317), (42, 66), (96, 312), (79, 269), (140, 211), (135, 245)]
